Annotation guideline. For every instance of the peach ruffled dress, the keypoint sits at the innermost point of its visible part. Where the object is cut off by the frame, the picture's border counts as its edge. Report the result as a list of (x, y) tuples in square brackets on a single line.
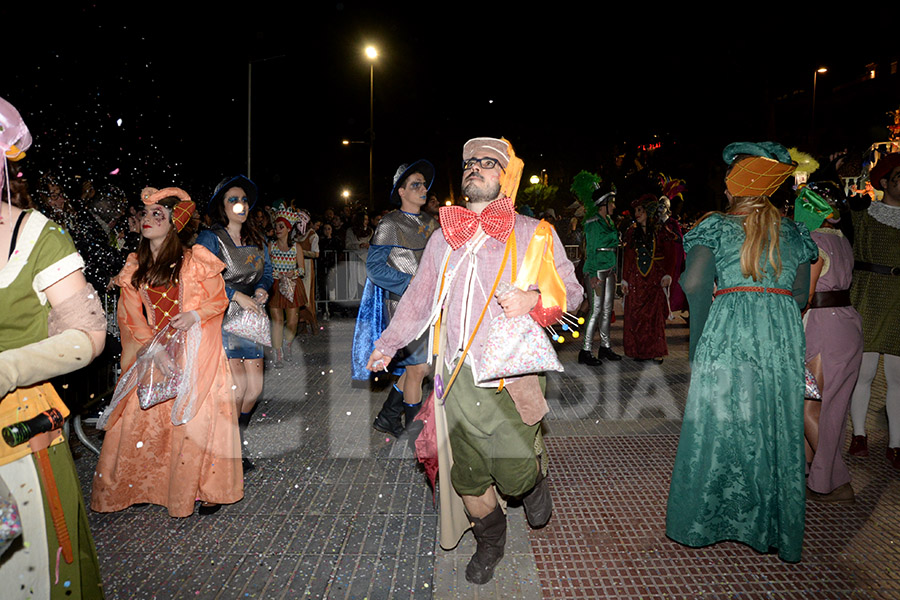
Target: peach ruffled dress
[(145, 457)]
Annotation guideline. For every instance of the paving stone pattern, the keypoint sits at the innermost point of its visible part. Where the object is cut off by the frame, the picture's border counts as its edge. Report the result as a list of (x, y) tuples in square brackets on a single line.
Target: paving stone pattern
[(337, 510)]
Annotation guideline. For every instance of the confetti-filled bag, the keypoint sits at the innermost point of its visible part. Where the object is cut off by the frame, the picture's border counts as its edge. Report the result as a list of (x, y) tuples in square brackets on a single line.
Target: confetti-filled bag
[(812, 387), (164, 370), (515, 347), (10, 523), (248, 324)]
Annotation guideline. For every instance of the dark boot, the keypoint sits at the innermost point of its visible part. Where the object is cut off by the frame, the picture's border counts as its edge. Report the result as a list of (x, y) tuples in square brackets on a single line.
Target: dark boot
[(586, 358), (490, 534), (388, 420), (608, 354), (410, 411), (538, 503), (243, 424)]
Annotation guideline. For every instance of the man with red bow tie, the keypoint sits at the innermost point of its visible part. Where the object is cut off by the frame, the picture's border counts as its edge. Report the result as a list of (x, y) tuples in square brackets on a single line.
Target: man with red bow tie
[(493, 430)]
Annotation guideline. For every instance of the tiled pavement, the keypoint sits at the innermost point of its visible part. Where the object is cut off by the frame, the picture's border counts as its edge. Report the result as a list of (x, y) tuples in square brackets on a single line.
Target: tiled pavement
[(336, 510)]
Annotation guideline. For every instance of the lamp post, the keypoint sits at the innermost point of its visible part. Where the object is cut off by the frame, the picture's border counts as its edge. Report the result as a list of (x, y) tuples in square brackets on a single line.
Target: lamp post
[(249, 105), (812, 125), (371, 54)]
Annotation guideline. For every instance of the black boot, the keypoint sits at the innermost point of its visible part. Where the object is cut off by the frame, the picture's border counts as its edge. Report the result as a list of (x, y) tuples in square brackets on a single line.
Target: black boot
[(538, 503), (490, 534), (388, 420), (586, 358), (608, 354), (243, 424)]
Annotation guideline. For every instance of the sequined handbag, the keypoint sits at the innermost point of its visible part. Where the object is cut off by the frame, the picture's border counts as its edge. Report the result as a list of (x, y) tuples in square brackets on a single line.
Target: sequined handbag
[(247, 324)]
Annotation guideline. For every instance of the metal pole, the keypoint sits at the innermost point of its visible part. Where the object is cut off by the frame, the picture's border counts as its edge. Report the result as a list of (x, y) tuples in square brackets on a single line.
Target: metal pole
[(812, 124), (371, 133), (249, 95)]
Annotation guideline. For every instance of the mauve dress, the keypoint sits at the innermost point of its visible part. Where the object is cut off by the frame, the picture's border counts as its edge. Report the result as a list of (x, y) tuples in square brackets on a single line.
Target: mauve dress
[(836, 334)]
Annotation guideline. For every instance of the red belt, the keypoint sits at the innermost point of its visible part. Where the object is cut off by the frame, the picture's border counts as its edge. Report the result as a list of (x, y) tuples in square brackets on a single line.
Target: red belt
[(753, 288)]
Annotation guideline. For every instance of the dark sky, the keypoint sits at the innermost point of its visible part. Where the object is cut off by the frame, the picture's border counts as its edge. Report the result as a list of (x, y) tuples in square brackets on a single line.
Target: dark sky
[(565, 85)]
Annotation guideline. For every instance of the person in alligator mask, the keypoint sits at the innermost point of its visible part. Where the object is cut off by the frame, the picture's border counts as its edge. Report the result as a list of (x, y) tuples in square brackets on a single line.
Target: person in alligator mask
[(834, 342), (393, 259), (601, 242)]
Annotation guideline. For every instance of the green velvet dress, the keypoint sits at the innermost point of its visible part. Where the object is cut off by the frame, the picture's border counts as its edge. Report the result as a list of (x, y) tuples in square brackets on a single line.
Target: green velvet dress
[(739, 470)]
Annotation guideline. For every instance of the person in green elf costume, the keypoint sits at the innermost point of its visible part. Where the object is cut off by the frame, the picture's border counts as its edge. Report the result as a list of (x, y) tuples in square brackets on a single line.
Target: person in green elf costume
[(601, 241)]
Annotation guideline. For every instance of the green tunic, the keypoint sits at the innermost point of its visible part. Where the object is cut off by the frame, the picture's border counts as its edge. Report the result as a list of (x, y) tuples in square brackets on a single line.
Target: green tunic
[(739, 470), (876, 239), (44, 254), (599, 232)]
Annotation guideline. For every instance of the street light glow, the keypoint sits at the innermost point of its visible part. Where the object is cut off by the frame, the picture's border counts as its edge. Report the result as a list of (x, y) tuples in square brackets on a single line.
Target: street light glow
[(535, 180), (345, 193), (345, 142), (371, 52)]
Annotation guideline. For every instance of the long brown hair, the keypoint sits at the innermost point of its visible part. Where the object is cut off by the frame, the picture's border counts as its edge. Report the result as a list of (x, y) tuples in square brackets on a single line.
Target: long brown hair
[(250, 233), (167, 266)]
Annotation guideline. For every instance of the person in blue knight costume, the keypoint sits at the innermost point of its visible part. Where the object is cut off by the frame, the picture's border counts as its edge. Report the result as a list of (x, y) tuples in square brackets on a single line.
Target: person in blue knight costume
[(393, 260)]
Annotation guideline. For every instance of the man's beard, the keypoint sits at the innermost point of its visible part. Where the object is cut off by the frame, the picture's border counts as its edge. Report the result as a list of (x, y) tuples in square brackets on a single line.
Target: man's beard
[(481, 194)]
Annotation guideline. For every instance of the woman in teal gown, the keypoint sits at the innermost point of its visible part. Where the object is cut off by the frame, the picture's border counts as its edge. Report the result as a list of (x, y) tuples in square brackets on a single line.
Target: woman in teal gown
[(739, 469)]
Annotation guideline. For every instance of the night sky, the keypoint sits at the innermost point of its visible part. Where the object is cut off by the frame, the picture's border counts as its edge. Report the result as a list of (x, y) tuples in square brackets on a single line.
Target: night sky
[(567, 87)]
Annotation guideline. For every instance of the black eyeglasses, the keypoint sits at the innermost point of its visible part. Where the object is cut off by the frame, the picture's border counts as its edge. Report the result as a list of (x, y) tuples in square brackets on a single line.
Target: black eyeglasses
[(484, 163)]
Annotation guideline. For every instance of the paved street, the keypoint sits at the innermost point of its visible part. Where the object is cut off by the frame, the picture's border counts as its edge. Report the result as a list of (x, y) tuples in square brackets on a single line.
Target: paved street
[(337, 510)]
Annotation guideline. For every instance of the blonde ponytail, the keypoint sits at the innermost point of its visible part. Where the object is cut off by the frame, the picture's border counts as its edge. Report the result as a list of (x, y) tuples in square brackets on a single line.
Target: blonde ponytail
[(762, 226)]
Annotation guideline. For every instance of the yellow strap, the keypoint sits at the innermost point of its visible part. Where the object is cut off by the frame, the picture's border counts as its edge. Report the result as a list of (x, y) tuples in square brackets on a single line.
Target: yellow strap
[(510, 242)]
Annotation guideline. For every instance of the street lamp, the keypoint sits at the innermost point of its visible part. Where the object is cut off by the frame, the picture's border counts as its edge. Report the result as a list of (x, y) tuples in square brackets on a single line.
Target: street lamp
[(249, 104), (812, 125), (371, 54)]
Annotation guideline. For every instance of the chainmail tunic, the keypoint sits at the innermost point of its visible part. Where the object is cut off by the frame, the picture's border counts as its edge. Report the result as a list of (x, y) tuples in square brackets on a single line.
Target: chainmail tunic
[(407, 235)]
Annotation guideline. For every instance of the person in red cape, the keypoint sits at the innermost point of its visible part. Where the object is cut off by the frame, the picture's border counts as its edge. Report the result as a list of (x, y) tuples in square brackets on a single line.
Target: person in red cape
[(646, 270)]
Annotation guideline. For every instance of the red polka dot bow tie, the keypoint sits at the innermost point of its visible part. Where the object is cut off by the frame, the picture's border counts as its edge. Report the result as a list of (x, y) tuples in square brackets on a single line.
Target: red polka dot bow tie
[(459, 224)]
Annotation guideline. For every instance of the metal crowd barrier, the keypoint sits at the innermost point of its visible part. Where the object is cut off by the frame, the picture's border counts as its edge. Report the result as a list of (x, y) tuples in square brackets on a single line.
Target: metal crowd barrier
[(340, 278)]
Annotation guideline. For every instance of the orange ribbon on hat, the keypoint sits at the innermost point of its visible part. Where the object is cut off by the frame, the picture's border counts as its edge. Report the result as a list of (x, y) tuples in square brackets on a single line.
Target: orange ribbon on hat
[(512, 175), (181, 212)]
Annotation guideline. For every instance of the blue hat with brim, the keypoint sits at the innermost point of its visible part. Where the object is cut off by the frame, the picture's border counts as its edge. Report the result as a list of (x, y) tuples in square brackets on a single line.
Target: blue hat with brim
[(403, 171)]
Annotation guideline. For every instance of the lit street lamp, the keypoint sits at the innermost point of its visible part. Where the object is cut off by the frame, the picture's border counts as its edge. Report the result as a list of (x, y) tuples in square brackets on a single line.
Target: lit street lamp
[(812, 125), (371, 54)]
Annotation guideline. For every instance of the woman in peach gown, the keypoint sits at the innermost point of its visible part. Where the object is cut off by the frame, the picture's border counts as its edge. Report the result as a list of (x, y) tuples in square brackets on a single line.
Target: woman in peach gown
[(165, 456)]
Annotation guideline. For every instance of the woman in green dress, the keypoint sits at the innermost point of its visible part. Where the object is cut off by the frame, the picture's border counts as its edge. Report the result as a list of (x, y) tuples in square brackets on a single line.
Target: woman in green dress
[(739, 470)]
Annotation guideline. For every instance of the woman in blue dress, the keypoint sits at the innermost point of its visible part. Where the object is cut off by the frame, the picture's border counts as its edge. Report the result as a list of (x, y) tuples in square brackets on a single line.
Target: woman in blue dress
[(739, 470)]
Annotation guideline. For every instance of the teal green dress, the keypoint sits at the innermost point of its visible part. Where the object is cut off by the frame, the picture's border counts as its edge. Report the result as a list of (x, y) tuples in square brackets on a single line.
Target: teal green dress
[(739, 470)]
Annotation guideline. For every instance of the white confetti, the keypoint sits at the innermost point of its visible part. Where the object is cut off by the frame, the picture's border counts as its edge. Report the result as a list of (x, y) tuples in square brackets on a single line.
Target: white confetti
[(348, 413), (140, 444)]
